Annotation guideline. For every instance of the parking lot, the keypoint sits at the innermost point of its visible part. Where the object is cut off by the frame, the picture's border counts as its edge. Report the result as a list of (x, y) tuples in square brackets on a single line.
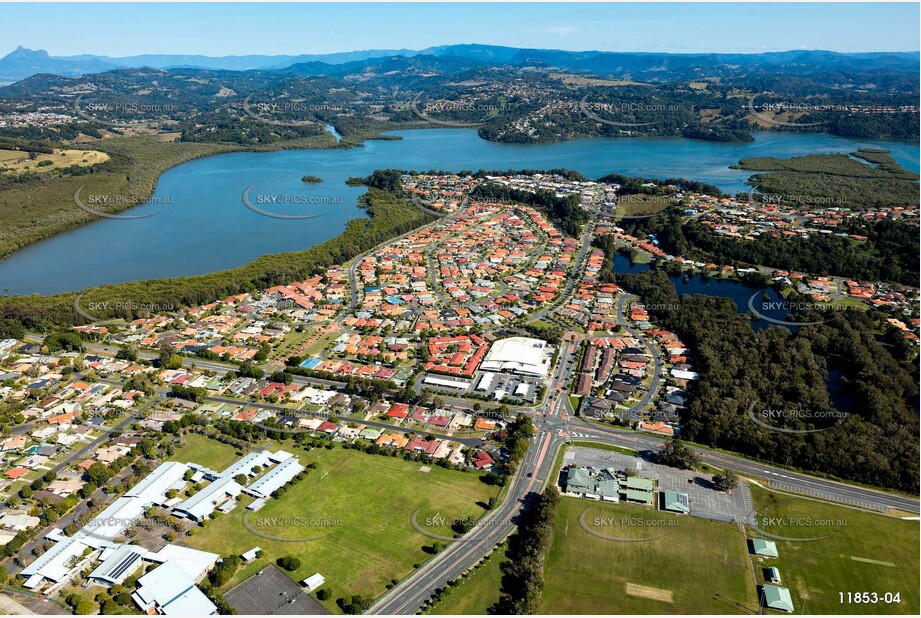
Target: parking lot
[(705, 501), (506, 386)]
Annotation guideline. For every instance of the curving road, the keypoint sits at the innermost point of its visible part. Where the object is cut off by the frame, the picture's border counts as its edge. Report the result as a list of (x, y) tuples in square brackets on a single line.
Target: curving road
[(779, 478), (553, 430), (533, 476)]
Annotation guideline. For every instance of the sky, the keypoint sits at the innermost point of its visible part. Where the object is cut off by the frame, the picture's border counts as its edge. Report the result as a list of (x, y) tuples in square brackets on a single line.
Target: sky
[(220, 29)]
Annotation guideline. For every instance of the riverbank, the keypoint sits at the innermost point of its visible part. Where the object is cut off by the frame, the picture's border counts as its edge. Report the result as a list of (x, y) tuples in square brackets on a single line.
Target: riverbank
[(44, 209), (199, 212), (389, 216), (41, 209), (36, 211)]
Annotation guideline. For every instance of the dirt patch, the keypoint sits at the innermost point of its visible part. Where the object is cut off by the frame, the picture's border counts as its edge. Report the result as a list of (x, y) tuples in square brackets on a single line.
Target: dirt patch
[(656, 594), (425, 469)]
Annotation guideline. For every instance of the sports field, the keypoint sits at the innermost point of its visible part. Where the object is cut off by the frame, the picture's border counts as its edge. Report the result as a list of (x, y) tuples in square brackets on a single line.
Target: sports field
[(689, 565), (356, 511), (862, 552)]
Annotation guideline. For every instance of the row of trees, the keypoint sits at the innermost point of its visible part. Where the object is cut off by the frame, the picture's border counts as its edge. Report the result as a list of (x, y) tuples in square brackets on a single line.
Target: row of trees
[(890, 253), (523, 570), (518, 436)]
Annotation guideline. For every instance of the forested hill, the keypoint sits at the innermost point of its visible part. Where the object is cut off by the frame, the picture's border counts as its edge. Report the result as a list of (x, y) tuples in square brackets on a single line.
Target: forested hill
[(23, 62)]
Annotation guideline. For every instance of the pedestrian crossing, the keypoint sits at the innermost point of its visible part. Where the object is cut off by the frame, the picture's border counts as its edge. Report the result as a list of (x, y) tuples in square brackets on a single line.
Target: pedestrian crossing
[(576, 434)]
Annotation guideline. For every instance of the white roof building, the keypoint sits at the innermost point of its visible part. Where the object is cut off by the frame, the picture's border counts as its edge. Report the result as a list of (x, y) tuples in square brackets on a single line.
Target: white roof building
[(55, 564), (313, 582), (113, 521), (274, 478), (193, 561), (684, 375), (166, 476), (118, 564), (170, 591), (246, 464), (447, 382), (521, 355), (18, 521), (205, 501), (279, 456), (485, 382)]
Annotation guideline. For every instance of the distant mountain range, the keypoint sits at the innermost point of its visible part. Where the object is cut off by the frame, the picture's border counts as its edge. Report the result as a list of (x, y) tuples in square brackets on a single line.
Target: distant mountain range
[(23, 62)]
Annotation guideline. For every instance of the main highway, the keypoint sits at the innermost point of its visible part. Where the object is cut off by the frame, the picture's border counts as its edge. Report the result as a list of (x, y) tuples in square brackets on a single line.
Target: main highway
[(779, 478), (554, 428), (535, 473), (410, 594)]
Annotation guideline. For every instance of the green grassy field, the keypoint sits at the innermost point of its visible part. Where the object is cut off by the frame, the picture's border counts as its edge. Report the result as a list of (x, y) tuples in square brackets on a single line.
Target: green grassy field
[(475, 593), (321, 343), (575, 402), (15, 161), (205, 451), (291, 342), (606, 447), (642, 204), (694, 566), (358, 508), (816, 571), (641, 257)]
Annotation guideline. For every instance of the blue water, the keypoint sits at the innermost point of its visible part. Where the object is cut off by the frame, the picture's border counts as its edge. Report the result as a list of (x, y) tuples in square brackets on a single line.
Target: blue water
[(203, 226), (735, 291), (332, 131)]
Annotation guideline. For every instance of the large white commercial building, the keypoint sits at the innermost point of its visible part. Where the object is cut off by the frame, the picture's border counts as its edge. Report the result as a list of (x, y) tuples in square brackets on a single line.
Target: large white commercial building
[(170, 588), (101, 532), (519, 355)]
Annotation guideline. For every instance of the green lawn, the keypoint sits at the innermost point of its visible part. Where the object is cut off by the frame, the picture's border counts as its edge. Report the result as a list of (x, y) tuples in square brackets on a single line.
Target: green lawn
[(606, 447), (291, 341), (205, 451), (641, 257), (543, 323), (476, 592), (642, 204), (364, 504), (694, 566), (575, 402), (321, 344), (816, 571)]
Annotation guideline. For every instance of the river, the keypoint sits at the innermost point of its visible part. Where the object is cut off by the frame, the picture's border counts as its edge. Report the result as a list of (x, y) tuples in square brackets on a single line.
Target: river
[(200, 223)]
